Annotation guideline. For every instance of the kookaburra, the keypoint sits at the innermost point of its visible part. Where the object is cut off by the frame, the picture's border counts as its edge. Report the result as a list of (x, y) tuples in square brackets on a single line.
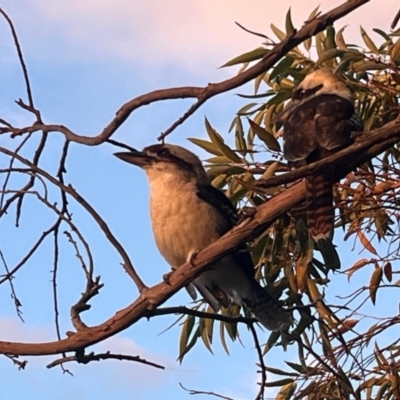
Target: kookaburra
[(317, 123), (187, 215)]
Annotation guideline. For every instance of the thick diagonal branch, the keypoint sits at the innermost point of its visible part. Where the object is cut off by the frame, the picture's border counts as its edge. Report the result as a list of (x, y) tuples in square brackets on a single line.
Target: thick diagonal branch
[(368, 147)]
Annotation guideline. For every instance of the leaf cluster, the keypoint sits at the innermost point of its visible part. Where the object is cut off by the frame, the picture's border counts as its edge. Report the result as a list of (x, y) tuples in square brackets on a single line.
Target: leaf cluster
[(284, 255)]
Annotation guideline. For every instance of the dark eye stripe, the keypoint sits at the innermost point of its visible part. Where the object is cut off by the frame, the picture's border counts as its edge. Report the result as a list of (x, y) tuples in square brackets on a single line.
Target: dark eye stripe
[(300, 94), (163, 153)]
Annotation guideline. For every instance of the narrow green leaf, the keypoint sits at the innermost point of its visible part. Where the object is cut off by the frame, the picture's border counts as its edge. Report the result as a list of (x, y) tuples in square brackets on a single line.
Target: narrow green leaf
[(330, 43), (382, 33), (368, 41), (273, 338), (381, 391), (298, 367), (218, 160), (246, 108), (395, 52), (279, 98), (222, 336), (219, 181), (282, 66), (209, 323), (277, 371), (257, 81), (231, 328), (256, 96), (279, 34), (341, 44), (218, 141), (319, 41), (307, 43), (204, 334), (279, 383), (192, 342), (368, 66), (270, 171), (329, 54), (380, 358), (288, 22), (287, 391), (185, 333), (313, 14), (207, 146), (265, 136), (253, 55), (240, 142)]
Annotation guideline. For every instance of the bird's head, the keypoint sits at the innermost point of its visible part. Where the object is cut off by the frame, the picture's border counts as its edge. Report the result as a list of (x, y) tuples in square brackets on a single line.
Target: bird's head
[(167, 161), (321, 81)]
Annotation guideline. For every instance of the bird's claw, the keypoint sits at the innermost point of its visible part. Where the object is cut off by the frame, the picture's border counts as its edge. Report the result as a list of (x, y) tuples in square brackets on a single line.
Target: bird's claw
[(166, 277), (192, 257), (246, 213), (145, 293)]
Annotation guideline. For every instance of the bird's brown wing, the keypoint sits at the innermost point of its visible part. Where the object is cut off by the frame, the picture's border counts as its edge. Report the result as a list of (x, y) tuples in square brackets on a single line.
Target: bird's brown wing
[(229, 216)]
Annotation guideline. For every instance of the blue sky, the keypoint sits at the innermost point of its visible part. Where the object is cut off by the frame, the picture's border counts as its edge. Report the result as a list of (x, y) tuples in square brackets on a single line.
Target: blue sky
[(85, 60)]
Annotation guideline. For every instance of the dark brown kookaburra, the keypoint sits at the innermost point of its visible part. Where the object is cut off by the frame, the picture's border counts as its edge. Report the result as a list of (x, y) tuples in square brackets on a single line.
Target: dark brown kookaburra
[(317, 123), (188, 214)]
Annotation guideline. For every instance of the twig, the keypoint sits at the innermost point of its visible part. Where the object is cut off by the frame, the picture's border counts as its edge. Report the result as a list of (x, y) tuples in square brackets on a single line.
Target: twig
[(310, 28), (20, 56), (260, 394), (87, 358), (200, 314), (252, 32), (395, 20), (202, 94), (194, 392), (379, 140), (17, 302), (54, 283), (102, 224)]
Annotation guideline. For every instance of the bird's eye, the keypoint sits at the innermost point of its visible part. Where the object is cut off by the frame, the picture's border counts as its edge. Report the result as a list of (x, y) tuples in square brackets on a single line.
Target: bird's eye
[(301, 94), (163, 153)]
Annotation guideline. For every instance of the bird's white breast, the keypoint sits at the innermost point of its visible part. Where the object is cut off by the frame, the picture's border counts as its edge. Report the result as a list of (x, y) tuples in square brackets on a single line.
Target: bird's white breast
[(182, 223)]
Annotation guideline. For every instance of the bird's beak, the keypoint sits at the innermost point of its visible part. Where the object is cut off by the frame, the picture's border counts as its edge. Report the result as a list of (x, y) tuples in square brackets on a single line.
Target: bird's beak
[(138, 158)]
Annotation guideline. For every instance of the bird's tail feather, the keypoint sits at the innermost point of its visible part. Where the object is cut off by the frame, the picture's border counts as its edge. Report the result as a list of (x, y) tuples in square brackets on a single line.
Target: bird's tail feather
[(320, 216), (319, 199), (266, 309), (329, 253)]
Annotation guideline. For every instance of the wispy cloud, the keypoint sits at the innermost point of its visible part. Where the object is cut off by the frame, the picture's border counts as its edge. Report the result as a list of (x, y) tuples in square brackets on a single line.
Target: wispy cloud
[(189, 34)]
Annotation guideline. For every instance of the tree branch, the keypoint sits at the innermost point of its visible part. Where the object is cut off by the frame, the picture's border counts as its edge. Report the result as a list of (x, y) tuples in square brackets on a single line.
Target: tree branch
[(379, 140), (202, 94), (87, 358)]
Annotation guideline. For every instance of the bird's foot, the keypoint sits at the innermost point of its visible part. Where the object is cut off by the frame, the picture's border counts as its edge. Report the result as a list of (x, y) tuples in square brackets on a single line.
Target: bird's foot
[(146, 294), (356, 135), (192, 256), (246, 213), (166, 277)]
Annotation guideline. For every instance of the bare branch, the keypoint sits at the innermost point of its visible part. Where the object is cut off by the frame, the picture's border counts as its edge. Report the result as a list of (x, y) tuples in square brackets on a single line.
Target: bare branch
[(194, 392), (201, 314), (379, 140), (260, 394), (85, 359), (202, 94), (20, 57), (102, 224)]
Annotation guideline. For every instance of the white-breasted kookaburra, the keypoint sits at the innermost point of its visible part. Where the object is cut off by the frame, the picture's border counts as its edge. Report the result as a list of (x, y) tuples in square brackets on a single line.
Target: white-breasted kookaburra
[(317, 123), (188, 214)]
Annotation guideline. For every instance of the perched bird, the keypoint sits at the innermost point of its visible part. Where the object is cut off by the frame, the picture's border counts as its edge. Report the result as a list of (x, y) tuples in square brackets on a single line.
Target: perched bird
[(317, 123), (187, 215)]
